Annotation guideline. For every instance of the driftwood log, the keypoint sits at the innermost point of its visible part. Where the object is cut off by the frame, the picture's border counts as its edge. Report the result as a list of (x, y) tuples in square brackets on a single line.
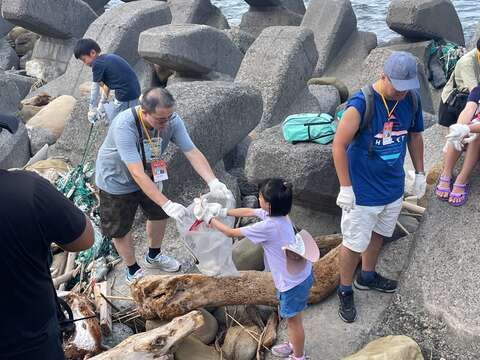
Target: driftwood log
[(168, 296), (156, 344)]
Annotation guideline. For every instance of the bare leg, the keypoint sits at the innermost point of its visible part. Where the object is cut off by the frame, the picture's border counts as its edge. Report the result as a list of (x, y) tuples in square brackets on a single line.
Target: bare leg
[(348, 264), (471, 158), (370, 256), (156, 232), (451, 158), (125, 248), (296, 334)]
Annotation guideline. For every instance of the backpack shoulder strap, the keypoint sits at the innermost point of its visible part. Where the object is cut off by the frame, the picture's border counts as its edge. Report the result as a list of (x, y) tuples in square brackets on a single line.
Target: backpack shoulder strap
[(140, 134), (367, 91), (414, 99)]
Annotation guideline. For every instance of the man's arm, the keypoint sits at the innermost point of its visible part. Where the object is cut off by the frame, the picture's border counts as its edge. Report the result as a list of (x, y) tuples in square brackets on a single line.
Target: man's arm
[(146, 184), (346, 131), (84, 241), (200, 164), (94, 91), (415, 147)]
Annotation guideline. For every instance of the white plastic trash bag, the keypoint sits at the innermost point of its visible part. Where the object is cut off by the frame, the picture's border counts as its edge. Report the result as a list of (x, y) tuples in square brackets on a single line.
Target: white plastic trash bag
[(210, 247)]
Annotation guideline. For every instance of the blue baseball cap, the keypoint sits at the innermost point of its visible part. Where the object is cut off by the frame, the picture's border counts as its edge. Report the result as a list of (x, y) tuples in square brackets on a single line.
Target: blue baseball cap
[(401, 69)]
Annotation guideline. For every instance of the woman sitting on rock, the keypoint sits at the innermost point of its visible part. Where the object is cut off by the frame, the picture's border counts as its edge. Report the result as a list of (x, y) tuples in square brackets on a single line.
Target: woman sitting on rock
[(461, 134)]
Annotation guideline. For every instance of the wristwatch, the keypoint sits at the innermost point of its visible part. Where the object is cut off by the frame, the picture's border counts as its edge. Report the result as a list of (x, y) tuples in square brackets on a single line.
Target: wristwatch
[(419, 172)]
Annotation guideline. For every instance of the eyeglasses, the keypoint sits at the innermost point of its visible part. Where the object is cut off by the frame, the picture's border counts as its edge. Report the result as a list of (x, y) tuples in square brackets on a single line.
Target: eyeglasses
[(163, 119)]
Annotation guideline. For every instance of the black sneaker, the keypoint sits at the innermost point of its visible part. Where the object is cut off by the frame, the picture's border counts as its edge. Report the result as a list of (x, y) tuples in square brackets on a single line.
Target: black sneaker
[(379, 283), (346, 310)]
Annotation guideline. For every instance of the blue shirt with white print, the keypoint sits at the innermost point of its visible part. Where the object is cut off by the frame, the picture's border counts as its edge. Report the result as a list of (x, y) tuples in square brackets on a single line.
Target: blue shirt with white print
[(375, 166)]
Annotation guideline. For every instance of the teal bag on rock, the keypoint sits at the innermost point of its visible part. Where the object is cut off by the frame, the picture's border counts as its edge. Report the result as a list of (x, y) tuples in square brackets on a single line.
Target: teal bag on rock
[(318, 128)]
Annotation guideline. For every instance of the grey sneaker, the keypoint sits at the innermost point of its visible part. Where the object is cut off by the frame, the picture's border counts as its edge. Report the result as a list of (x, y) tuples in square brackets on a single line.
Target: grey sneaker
[(163, 262), (130, 279), (283, 350)]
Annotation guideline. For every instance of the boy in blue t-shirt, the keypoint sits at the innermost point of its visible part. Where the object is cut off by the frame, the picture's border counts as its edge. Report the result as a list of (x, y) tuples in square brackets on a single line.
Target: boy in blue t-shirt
[(113, 72), (369, 164)]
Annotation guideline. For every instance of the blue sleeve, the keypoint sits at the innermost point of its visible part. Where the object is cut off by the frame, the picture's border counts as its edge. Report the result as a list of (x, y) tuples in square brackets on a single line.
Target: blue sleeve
[(126, 138), (474, 95), (418, 126), (180, 135), (98, 68), (358, 102)]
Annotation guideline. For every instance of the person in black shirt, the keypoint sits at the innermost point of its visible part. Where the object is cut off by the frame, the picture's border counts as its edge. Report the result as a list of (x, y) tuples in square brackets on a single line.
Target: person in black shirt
[(33, 214), (112, 71)]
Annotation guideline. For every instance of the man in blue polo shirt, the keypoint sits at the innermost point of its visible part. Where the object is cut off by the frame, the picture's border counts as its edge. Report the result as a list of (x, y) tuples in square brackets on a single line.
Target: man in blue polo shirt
[(110, 71), (369, 159)]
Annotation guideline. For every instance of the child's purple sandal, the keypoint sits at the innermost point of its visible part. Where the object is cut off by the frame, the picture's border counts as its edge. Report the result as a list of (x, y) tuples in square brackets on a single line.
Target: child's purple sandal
[(462, 197), (441, 190)]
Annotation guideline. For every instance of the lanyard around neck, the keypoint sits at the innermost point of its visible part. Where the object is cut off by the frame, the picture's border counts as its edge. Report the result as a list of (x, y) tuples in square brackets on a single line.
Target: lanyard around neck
[(389, 112), (155, 150)]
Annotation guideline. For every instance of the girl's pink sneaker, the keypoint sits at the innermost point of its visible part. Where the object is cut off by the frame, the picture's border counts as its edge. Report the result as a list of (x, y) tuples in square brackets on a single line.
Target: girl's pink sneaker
[(283, 350)]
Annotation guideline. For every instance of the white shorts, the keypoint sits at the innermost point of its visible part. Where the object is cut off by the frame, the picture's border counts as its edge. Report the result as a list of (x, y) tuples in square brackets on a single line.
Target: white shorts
[(358, 224)]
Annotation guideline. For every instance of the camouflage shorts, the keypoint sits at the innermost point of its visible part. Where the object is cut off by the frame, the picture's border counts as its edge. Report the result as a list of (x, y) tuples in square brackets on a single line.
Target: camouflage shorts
[(117, 212)]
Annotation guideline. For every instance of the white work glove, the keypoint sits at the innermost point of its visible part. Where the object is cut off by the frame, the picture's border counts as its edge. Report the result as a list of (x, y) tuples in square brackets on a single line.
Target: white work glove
[(346, 198), (457, 133), (419, 185), (218, 188), (206, 211), (174, 210), (92, 114)]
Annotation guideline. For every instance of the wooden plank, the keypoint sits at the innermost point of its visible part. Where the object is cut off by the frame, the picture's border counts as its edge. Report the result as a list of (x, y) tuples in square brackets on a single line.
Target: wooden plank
[(103, 308)]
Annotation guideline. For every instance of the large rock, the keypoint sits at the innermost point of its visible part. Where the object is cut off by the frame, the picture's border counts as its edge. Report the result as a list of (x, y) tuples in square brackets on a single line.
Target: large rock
[(391, 348), (247, 255), (9, 96), (25, 42), (8, 56), (349, 60), (59, 19), (218, 115), (14, 149), (425, 19), (23, 83), (53, 116), (437, 301), (316, 99), (190, 49), (50, 58), (308, 166), (193, 349), (297, 6), (332, 22), (256, 19), (240, 38), (238, 344), (40, 137), (97, 5), (201, 12), (116, 31), (285, 76), (5, 26), (373, 67)]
